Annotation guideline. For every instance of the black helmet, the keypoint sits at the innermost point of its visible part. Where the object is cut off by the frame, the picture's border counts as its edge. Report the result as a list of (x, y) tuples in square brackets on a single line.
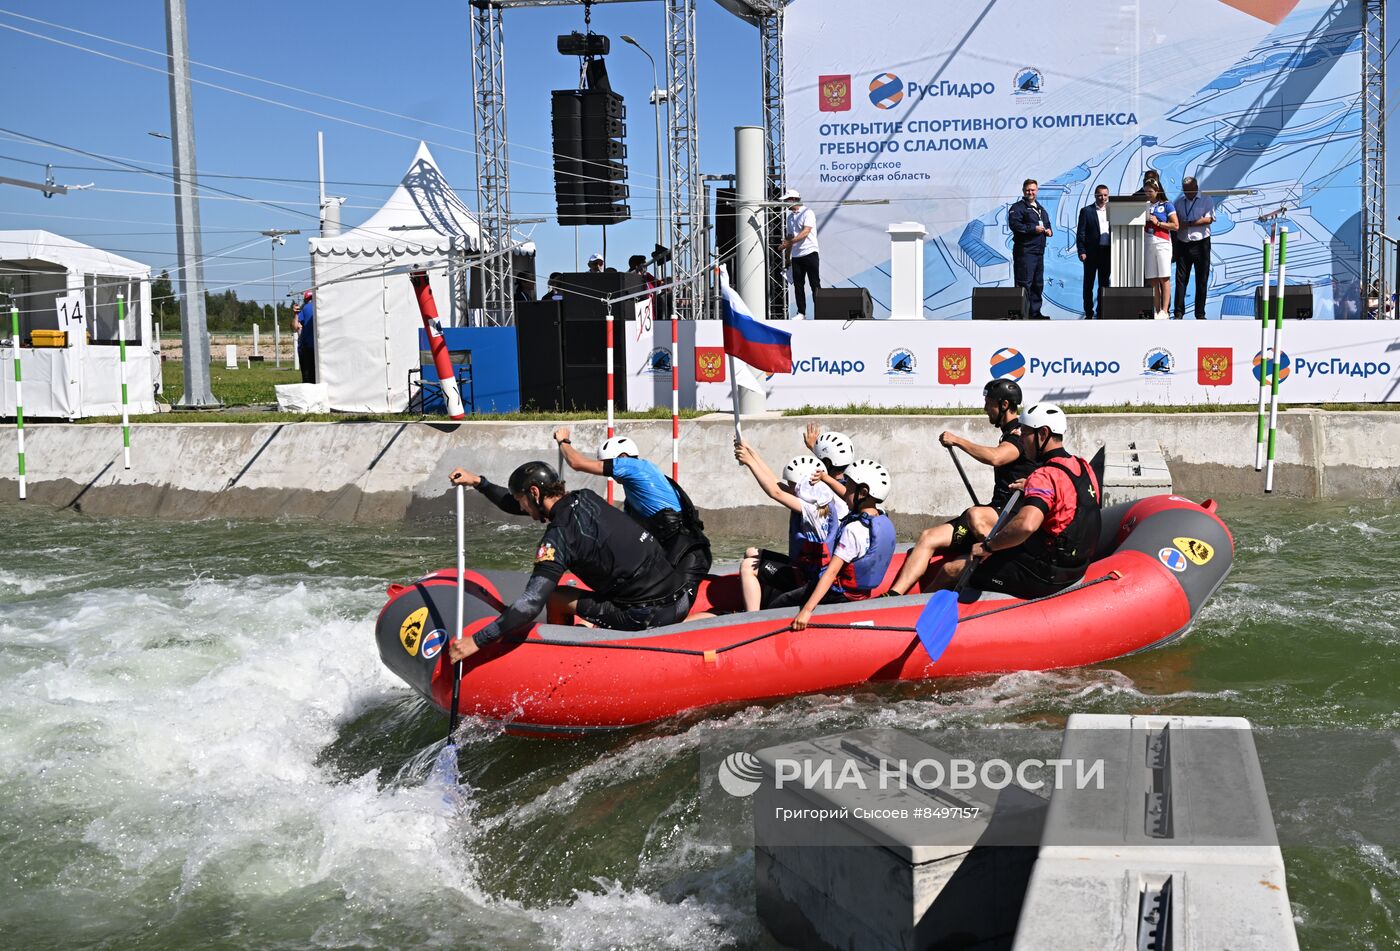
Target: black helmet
[(532, 473), (1003, 389)]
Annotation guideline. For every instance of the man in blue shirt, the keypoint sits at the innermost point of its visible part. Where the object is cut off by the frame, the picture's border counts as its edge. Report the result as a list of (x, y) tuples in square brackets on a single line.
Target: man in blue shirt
[(654, 500), (1030, 226), (1197, 212), (303, 324)]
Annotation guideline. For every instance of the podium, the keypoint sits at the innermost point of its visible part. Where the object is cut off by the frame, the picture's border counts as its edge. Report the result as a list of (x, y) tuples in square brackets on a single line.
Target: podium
[(1127, 216)]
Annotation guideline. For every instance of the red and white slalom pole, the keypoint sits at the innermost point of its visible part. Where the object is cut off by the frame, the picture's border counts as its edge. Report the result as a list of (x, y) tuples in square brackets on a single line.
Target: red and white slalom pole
[(675, 403), (611, 431), (442, 359)]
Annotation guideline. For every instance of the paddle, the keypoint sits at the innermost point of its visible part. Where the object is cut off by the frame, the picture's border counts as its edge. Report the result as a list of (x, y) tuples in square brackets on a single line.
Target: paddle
[(1097, 463), (445, 770), (939, 619), (958, 462)]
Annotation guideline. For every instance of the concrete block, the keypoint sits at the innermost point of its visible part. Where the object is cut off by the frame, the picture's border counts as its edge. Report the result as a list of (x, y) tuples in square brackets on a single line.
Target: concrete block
[(882, 875), (1177, 852), (1134, 470)]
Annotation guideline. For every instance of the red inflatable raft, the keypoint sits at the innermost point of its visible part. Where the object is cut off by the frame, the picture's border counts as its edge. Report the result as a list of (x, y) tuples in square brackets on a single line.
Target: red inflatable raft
[(1160, 559)]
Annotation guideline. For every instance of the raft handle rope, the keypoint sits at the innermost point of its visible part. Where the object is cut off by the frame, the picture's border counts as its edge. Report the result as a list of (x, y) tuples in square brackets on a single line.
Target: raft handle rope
[(708, 655)]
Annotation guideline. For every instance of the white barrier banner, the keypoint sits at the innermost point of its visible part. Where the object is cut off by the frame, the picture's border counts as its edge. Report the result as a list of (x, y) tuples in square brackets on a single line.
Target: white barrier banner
[(1101, 363)]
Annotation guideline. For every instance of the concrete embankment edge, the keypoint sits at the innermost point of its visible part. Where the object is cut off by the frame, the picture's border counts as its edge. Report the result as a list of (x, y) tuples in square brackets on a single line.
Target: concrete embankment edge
[(385, 471)]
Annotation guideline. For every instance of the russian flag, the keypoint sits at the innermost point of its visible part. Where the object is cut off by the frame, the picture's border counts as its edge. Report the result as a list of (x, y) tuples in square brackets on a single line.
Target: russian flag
[(758, 344)]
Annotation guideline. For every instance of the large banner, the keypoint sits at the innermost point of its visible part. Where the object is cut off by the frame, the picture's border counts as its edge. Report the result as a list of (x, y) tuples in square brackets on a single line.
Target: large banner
[(1111, 363), (936, 113)]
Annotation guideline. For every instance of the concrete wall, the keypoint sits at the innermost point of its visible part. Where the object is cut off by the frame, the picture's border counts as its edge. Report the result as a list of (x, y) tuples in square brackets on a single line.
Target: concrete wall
[(389, 471)]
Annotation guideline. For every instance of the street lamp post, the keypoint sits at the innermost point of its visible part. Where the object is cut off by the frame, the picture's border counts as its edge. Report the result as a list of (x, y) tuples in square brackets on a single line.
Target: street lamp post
[(657, 97), (278, 236)]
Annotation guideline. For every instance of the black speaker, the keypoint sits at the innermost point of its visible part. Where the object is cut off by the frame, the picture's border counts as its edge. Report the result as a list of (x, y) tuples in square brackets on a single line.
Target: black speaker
[(1127, 303), (540, 353), (566, 120), (726, 223), (998, 303), (583, 341), (590, 160), (584, 291), (842, 303), (1297, 302)]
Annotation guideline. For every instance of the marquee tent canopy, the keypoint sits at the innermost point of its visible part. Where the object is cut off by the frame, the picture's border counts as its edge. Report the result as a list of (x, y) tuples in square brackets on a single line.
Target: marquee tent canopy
[(366, 316), (40, 270)]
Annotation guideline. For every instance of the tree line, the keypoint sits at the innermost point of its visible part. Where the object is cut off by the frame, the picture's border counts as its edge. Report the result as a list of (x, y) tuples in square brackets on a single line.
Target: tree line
[(224, 311)]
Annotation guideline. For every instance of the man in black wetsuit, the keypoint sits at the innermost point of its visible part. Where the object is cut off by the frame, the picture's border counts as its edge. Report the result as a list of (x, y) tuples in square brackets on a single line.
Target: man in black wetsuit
[(633, 584), (656, 501), (1010, 465)]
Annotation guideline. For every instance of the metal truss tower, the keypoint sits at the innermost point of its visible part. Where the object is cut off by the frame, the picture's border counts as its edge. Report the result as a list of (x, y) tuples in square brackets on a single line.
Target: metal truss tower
[(493, 150), (492, 161), (683, 133), (1373, 152), (770, 33)]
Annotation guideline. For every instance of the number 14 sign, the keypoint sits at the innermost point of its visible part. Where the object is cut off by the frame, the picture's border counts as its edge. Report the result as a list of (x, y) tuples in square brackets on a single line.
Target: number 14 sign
[(72, 317)]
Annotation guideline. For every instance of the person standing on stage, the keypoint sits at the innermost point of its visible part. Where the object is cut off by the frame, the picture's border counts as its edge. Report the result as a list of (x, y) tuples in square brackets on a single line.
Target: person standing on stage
[(1157, 254), (1148, 177), (800, 241), (1030, 226), (1091, 241), (1193, 247)]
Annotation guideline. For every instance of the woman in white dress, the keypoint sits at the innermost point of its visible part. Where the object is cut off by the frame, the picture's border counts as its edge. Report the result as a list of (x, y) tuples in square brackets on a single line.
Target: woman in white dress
[(1157, 263)]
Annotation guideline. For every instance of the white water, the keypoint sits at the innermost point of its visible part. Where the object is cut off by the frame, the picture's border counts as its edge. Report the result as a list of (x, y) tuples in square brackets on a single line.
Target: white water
[(177, 730), (200, 745)]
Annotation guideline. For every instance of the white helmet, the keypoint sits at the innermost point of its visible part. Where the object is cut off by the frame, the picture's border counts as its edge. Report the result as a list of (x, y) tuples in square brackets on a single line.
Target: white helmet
[(1045, 416), (618, 446), (799, 470), (834, 449), (872, 475)]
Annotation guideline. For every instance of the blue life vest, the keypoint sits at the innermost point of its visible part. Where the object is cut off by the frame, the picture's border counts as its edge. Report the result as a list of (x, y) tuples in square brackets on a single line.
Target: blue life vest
[(808, 550), (859, 579)]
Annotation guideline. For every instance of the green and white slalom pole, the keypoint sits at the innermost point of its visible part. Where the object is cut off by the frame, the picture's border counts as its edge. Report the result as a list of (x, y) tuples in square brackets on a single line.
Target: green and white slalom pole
[(19, 399), (1262, 433), (1276, 371), (121, 362)]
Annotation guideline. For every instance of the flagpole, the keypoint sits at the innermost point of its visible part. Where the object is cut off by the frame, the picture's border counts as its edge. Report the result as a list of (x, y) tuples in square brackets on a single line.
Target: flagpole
[(734, 399), (733, 378)]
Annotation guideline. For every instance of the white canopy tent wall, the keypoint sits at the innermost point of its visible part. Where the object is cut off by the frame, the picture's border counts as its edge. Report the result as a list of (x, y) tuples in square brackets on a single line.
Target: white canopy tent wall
[(367, 319), (39, 269)]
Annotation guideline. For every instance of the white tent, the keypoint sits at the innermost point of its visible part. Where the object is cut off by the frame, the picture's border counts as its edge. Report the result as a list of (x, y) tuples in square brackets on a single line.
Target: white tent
[(44, 273), (367, 319)]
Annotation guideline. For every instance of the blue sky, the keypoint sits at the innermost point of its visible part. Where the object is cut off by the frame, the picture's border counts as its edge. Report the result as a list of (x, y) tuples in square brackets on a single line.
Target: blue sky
[(364, 52), (415, 63)]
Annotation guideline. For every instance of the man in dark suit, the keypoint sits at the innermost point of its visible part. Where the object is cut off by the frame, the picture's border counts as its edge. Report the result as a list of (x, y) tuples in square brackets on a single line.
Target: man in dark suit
[(1091, 241), (1030, 226)]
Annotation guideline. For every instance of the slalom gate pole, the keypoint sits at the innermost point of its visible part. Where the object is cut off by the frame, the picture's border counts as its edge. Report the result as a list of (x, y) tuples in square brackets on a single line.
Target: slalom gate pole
[(1277, 371), (611, 430), (19, 399), (1260, 436), (675, 402), (442, 358), (121, 362)]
